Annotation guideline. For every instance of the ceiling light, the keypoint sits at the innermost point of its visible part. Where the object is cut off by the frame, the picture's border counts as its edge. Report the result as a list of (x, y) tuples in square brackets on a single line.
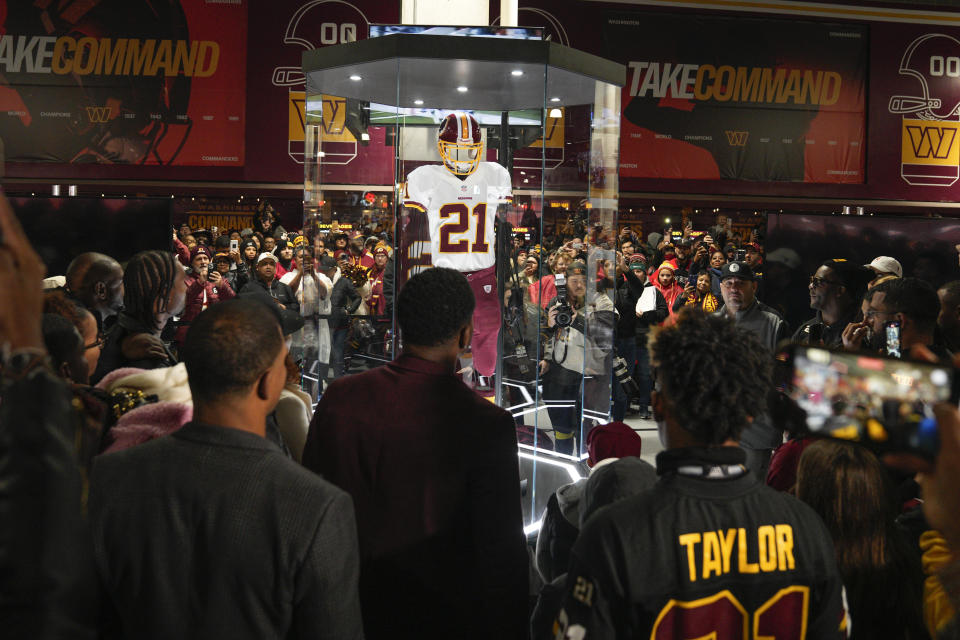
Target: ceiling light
[(418, 102), (554, 99), (516, 72), (356, 78), (462, 89)]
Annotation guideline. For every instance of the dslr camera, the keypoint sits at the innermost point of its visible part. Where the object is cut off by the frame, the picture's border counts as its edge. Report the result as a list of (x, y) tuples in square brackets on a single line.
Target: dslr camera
[(621, 372), (564, 310)]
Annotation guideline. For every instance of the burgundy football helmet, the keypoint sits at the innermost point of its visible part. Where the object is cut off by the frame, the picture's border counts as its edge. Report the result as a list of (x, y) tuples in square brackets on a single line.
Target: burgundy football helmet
[(460, 143), (934, 60)]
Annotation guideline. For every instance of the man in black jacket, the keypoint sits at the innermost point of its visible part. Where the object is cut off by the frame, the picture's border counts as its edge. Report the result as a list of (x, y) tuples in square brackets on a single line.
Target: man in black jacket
[(344, 300), (212, 531), (636, 274), (710, 550), (835, 291), (265, 278), (631, 336)]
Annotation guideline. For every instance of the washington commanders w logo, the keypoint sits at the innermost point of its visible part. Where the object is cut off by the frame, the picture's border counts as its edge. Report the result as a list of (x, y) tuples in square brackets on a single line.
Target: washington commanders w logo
[(737, 138), (931, 142), (99, 114)]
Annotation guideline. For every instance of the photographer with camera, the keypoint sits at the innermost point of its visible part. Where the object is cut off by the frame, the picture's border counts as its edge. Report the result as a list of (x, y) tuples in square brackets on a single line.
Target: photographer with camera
[(629, 288), (570, 354)]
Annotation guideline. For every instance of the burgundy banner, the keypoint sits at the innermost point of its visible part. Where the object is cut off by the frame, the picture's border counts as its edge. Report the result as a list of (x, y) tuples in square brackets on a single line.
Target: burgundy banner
[(915, 112), (282, 30), (123, 82)]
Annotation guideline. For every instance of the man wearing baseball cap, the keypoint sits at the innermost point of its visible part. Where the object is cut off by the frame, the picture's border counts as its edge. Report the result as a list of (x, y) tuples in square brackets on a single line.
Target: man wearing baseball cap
[(205, 286), (883, 266), (835, 291), (738, 285), (264, 278)]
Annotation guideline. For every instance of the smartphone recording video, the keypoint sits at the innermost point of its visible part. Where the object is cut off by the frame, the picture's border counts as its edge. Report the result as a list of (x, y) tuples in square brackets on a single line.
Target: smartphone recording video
[(884, 403), (892, 333)]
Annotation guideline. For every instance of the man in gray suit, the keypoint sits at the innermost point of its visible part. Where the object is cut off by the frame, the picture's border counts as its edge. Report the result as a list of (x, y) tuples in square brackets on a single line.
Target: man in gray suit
[(211, 532)]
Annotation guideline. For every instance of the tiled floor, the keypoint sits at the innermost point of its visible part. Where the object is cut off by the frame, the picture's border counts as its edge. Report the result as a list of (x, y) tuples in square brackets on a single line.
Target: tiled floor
[(647, 429)]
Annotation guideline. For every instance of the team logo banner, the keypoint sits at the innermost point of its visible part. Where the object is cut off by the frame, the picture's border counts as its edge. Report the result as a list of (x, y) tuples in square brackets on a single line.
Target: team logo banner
[(154, 82), (736, 98), (931, 114)]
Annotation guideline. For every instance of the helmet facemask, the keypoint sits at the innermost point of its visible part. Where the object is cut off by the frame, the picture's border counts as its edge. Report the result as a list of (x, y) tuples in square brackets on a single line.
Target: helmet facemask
[(461, 159)]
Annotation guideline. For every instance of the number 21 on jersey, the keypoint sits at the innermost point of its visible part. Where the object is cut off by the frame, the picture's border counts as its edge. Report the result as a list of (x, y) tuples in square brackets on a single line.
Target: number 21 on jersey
[(722, 617), (466, 230)]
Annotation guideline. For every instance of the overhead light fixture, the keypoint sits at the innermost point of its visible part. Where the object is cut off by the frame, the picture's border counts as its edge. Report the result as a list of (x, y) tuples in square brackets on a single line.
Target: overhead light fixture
[(555, 113), (554, 99), (516, 72), (356, 78), (418, 102), (462, 89)]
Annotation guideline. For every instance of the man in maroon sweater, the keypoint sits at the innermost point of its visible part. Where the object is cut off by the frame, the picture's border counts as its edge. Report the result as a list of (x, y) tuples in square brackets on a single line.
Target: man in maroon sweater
[(432, 469)]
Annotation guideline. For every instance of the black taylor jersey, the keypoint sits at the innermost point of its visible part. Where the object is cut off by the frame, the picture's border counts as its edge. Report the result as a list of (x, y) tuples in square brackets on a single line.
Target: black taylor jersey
[(704, 557)]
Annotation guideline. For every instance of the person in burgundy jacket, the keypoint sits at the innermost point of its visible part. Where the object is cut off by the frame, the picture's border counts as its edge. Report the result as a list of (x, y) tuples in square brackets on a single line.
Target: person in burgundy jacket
[(432, 470), (205, 286)]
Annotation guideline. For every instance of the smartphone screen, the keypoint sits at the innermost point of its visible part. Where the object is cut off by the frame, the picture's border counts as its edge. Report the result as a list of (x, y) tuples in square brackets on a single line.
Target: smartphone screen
[(234, 245), (892, 333), (885, 403)]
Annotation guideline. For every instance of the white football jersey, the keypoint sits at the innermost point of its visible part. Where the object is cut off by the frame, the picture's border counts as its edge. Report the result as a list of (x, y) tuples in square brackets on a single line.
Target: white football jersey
[(461, 213)]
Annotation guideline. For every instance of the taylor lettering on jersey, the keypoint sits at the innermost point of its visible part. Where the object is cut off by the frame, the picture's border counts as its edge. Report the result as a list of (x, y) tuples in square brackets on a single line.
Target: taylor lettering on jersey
[(460, 212), (715, 553)]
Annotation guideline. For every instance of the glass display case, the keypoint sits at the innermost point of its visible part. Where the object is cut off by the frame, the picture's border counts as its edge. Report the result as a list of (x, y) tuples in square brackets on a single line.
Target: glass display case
[(467, 142)]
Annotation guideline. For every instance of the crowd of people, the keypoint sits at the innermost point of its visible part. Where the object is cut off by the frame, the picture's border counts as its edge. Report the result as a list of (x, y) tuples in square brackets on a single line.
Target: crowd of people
[(165, 473)]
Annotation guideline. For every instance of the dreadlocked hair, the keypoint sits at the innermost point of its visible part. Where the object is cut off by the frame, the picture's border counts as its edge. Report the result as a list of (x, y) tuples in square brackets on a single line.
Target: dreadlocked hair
[(148, 277), (714, 375)]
